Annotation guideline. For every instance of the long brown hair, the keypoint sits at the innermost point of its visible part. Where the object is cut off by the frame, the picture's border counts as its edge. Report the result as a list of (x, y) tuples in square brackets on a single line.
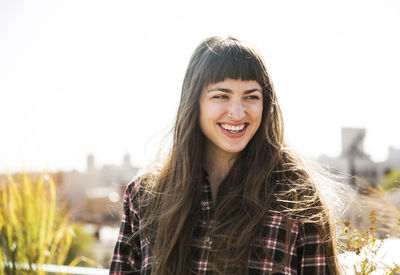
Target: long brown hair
[(266, 176)]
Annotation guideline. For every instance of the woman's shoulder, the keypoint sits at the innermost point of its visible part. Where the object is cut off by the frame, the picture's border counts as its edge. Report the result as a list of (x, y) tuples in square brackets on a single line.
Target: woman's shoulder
[(139, 187), (276, 218), (134, 186), (279, 221), (303, 231)]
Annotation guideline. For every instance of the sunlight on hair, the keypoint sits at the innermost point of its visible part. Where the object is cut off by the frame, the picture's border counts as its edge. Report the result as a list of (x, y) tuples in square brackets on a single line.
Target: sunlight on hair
[(332, 185)]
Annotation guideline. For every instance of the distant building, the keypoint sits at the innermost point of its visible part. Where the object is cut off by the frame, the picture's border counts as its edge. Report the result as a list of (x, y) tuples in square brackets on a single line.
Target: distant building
[(354, 161), (96, 194)]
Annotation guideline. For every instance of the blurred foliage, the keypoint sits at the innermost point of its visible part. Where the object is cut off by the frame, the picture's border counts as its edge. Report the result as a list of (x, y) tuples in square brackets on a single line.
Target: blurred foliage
[(392, 180), (33, 230), (367, 245), (81, 246)]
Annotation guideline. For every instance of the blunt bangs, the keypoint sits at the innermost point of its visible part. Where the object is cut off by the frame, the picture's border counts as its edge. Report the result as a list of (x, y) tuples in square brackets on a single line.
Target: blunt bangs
[(229, 58)]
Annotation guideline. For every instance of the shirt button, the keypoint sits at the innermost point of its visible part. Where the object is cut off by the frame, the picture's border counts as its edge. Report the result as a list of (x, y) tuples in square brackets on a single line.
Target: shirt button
[(203, 203)]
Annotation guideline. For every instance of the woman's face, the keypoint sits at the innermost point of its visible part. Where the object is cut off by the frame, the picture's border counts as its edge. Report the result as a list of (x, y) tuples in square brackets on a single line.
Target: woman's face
[(230, 113)]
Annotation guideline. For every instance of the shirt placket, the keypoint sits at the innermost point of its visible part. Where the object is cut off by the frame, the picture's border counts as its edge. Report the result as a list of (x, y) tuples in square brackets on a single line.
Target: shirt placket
[(206, 214)]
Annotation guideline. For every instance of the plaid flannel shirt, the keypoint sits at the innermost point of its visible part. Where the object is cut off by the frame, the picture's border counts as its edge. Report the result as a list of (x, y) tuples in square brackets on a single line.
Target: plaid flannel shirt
[(305, 255)]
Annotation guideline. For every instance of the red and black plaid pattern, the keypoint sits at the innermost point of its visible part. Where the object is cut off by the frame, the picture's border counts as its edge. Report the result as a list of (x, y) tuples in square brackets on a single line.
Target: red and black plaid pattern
[(305, 254)]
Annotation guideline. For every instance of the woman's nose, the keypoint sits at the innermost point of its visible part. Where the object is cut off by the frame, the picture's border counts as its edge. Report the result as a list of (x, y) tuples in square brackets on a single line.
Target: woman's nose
[(237, 110)]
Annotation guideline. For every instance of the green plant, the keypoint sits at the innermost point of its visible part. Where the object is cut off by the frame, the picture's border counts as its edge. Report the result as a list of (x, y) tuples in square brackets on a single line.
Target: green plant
[(33, 231), (81, 246), (391, 180), (367, 246)]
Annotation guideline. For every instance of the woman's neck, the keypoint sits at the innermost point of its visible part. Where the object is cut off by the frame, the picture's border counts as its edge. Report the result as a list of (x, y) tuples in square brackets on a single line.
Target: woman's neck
[(217, 163)]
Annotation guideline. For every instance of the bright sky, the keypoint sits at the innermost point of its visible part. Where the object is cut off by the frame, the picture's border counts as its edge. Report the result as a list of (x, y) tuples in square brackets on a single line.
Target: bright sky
[(104, 77)]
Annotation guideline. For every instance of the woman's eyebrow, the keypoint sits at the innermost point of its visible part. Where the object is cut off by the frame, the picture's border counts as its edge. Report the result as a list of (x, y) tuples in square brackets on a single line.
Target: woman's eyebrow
[(252, 91), (225, 90)]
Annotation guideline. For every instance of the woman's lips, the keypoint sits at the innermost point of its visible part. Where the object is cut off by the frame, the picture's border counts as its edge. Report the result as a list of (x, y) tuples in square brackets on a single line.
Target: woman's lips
[(233, 134)]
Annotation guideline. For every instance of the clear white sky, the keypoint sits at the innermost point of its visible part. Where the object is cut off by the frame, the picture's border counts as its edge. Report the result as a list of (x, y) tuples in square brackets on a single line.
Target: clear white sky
[(103, 77)]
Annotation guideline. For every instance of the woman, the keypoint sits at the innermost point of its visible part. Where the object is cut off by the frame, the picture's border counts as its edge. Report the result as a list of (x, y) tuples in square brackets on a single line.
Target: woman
[(231, 198)]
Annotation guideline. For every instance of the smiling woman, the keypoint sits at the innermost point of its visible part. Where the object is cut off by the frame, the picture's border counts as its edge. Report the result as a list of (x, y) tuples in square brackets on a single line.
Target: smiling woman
[(232, 197)]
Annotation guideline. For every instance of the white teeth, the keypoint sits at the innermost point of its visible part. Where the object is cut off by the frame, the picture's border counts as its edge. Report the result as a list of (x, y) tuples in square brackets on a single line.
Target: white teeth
[(232, 127)]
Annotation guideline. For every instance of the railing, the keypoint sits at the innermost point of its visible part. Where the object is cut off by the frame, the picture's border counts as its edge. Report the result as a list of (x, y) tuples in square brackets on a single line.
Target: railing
[(74, 270)]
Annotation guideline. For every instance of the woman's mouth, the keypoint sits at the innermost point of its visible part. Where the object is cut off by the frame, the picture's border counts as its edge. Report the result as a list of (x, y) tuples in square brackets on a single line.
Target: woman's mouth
[(233, 130)]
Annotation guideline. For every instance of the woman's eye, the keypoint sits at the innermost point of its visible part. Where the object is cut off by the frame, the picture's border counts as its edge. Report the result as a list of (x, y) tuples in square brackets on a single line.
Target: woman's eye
[(220, 96), (253, 97)]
